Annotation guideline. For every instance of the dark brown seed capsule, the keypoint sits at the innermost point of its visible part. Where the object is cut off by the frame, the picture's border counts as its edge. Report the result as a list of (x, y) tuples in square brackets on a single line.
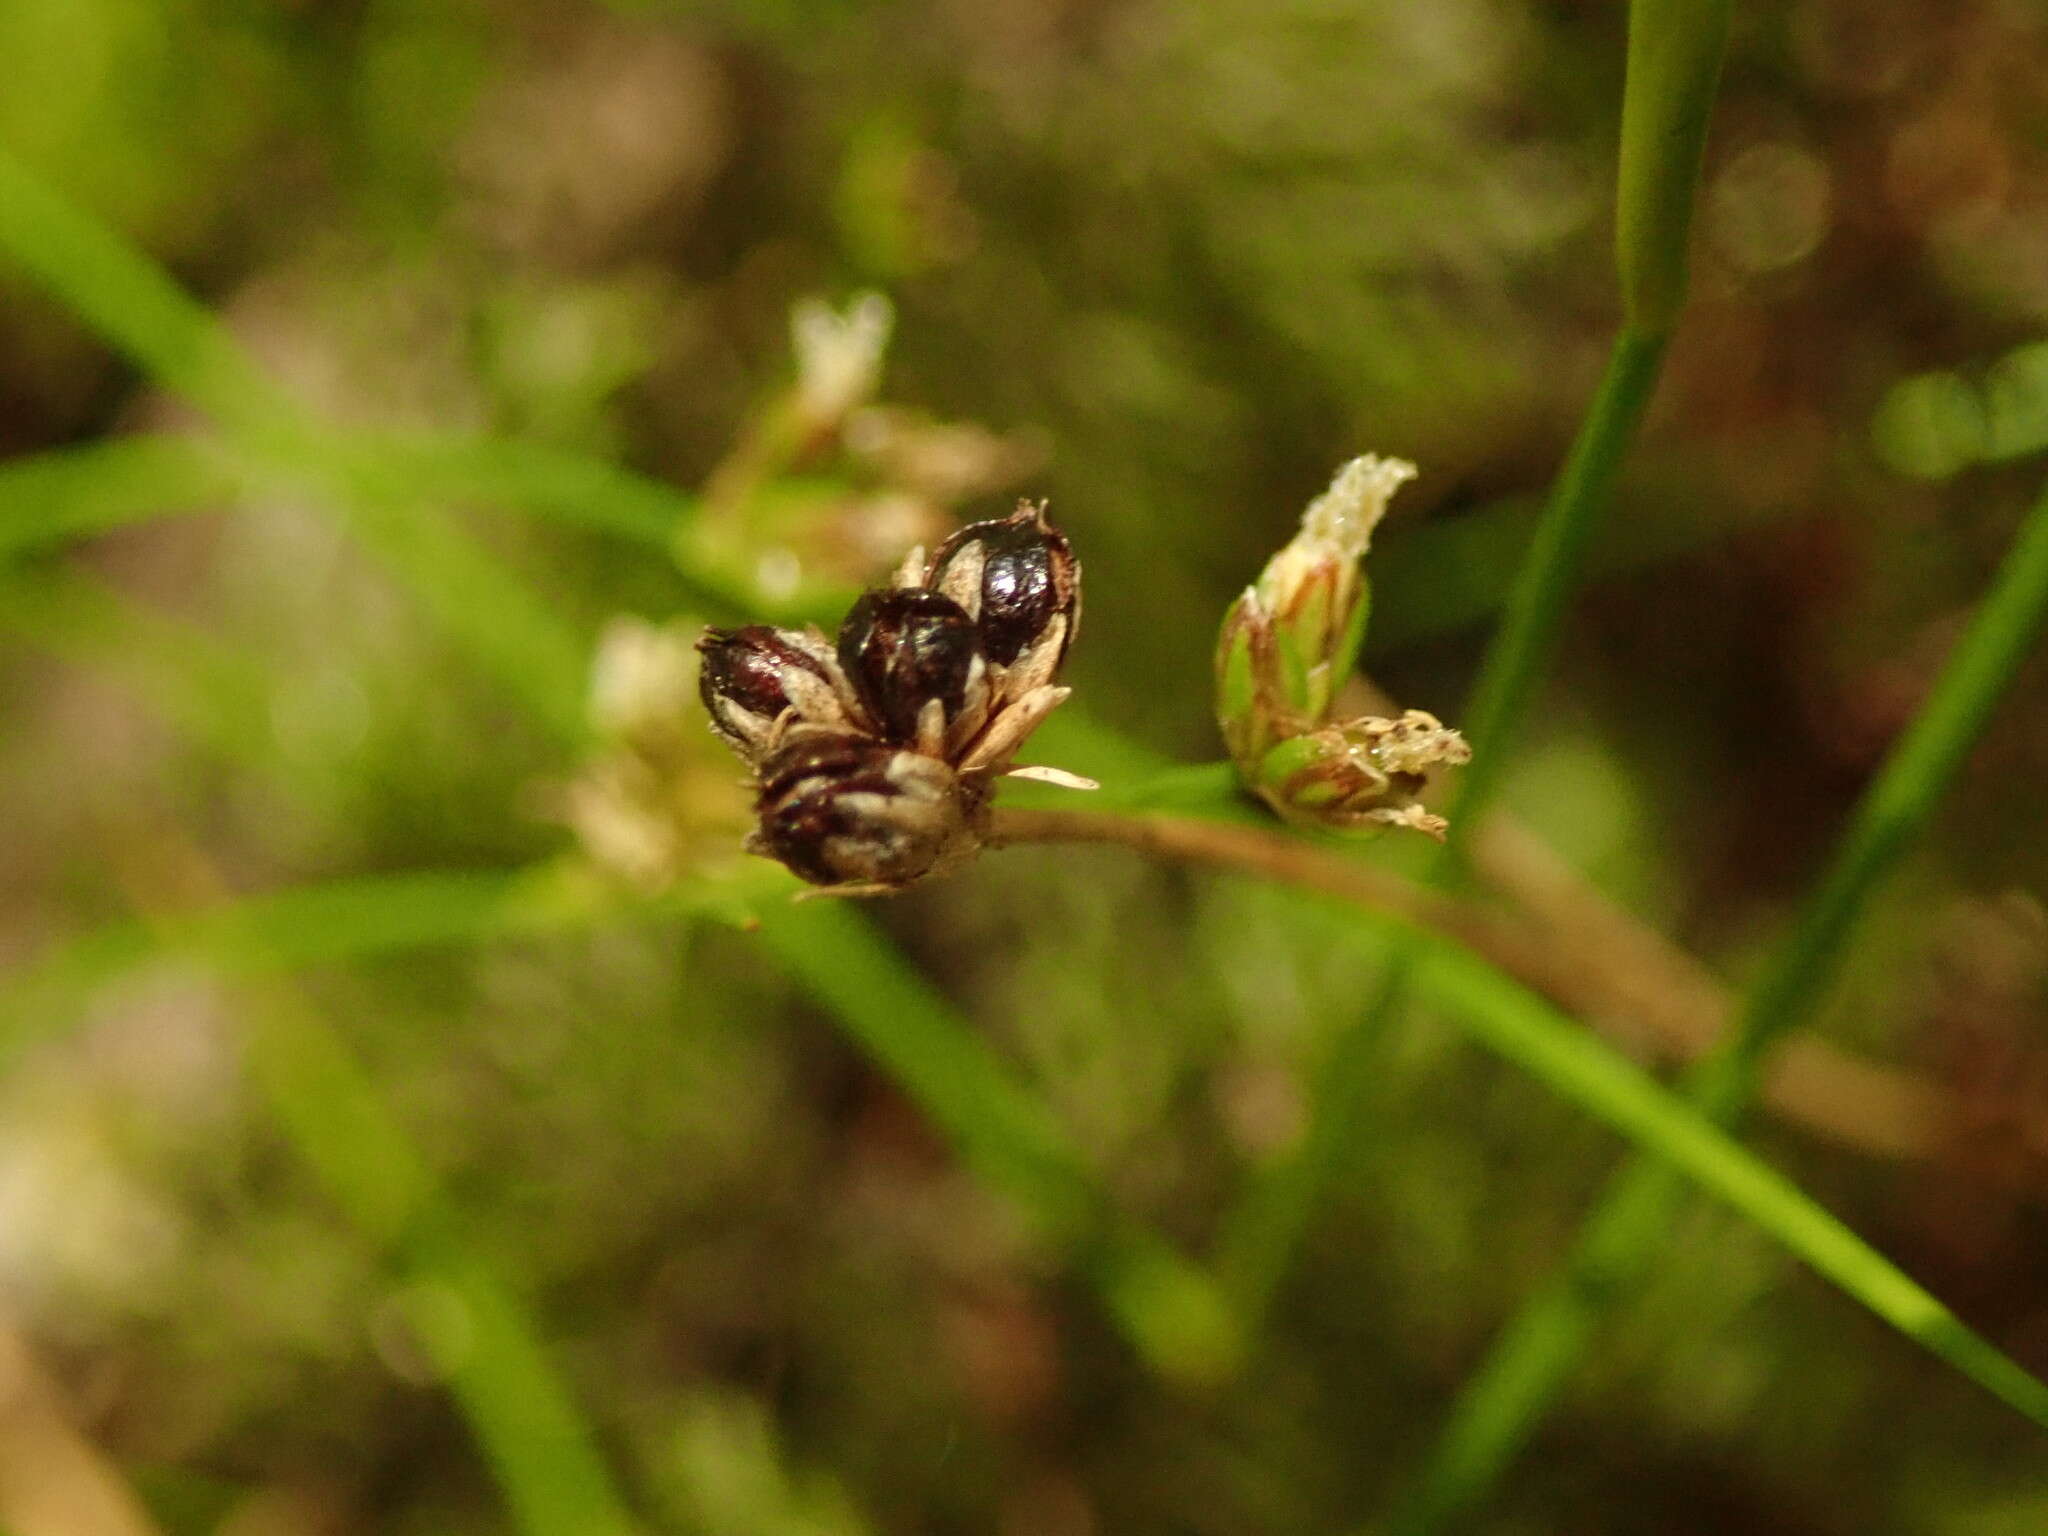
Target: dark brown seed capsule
[(838, 809), (749, 676), (903, 648), (1028, 578), (810, 755)]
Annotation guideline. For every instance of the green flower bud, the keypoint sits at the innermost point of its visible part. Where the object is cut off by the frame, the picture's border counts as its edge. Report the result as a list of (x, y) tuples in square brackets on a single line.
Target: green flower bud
[(1287, 645), (1291, 639)]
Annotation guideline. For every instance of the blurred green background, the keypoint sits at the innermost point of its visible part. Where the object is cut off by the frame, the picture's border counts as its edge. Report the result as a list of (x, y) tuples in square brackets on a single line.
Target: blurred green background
[(310, 1225)]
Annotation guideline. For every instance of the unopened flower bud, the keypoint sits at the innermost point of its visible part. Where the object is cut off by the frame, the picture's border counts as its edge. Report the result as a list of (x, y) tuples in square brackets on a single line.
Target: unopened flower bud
[(838, 808), (751, 677), (1017, 578), (913, 659), (1291, 639), (1288, 643)]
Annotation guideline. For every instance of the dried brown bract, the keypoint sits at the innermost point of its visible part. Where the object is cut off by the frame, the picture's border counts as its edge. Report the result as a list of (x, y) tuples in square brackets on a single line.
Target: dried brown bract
[(874, 755)]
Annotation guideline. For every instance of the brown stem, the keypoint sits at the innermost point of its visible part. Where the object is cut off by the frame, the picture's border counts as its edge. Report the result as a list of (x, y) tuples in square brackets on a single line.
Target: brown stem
[(1253, 849)]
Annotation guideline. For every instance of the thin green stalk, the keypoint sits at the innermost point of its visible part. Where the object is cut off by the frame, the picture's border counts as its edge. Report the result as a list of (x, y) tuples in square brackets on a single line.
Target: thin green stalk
[(71, 493), (1500, 1408), (1675, 49), (1686, 1141), (1519, 656), (1894, 809), (1674, 65), (501, 622), (341, 921), (1515, 1023), (1674, 60), (1429, 580), (138, 309), (1170, 1309), (541, 1451)]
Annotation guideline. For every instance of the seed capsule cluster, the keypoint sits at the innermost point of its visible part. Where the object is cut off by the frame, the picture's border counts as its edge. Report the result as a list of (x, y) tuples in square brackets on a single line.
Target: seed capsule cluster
[(874, 754)]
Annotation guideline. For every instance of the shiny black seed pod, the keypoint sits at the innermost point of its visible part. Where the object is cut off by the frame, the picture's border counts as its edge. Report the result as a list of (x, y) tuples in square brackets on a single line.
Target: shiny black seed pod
[(750, 676), (902, 648), (838, 808), (1028, 577)]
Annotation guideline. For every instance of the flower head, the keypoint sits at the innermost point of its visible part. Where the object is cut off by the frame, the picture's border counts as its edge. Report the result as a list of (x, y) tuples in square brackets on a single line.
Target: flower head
[(1286, 646), (874, 756)]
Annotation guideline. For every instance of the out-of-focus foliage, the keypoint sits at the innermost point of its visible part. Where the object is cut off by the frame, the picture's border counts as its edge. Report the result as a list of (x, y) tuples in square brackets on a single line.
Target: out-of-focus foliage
[(1179, 261)]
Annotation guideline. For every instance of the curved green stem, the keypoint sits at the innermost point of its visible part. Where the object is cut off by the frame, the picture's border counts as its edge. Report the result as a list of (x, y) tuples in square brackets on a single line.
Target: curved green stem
[(1500, 1408), (1682, 1142), (1521, 651)]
